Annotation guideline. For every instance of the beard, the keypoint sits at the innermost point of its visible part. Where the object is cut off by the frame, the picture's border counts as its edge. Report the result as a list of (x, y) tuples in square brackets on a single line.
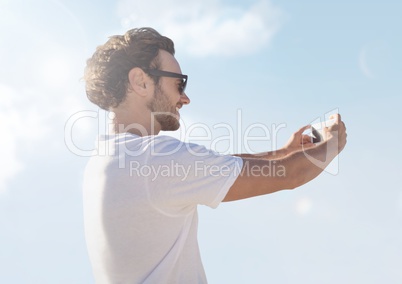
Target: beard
[(163, 112)]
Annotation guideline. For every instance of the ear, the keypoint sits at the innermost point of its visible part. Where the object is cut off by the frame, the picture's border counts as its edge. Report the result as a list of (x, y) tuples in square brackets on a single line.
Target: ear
[(138, 81)]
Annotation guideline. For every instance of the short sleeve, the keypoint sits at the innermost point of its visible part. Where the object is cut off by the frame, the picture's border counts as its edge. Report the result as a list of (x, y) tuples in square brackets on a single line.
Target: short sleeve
[(182, 175)]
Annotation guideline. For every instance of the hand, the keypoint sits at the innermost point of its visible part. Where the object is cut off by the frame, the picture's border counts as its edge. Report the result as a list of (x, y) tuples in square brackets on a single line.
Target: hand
[(298, 141), (337, 132)]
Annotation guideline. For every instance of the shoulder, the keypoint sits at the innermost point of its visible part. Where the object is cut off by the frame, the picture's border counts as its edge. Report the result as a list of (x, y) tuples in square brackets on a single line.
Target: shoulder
[(168, 145)]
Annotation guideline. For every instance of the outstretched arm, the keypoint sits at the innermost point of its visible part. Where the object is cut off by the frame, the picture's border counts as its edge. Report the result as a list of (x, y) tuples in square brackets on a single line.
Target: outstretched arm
[(297, 142), (260, 176)]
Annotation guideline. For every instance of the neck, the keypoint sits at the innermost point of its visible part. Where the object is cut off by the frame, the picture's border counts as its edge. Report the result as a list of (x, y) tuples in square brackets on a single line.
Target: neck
[(133, 116), (141, 126)]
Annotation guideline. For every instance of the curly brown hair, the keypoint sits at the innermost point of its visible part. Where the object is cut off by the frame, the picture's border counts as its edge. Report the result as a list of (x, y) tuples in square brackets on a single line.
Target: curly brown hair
[(106, 73)]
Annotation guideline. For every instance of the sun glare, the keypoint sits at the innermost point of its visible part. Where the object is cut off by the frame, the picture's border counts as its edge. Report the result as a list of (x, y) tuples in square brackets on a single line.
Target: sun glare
[(57, 70), (304, 205)]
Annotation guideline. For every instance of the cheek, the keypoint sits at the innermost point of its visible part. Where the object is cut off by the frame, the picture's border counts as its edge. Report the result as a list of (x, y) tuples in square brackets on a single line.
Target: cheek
[(172, 97), (169, 96), (164, 101)]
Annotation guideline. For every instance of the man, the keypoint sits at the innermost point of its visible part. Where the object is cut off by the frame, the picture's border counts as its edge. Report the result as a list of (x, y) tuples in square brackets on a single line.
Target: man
[(141, 189)]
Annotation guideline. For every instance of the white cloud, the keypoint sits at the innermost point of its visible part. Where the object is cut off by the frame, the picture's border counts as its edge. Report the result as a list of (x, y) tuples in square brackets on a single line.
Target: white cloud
[(21, 124), (28, 120), (208, 27), (9, 163), (39, 85)]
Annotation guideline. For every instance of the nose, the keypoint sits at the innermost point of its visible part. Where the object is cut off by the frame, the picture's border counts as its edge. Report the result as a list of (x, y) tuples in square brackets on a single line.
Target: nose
[(184, 99)]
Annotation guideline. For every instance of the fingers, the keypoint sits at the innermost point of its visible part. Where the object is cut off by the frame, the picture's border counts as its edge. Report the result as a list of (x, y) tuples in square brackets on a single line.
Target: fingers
[(306, 139), (340, 129), (301, 130), (338, 121), (337, 117)]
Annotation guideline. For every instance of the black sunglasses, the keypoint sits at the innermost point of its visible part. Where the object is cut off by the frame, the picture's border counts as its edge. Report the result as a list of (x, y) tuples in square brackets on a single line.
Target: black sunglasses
[(161, 73)]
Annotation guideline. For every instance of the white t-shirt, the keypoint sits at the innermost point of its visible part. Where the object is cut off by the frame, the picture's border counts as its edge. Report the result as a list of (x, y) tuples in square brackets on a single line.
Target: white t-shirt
[(140, 207)]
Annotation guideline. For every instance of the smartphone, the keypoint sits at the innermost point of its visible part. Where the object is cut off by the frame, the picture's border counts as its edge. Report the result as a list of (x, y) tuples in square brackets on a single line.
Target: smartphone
[(317, 130)]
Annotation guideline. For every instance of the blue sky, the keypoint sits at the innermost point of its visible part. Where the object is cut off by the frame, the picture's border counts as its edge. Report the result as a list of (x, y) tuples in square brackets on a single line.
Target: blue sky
[(275, 63)]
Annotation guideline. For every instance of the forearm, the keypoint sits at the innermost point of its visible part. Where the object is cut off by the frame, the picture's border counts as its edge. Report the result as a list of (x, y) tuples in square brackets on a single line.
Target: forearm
[(272, 155), (261, 176), (301, 167)]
